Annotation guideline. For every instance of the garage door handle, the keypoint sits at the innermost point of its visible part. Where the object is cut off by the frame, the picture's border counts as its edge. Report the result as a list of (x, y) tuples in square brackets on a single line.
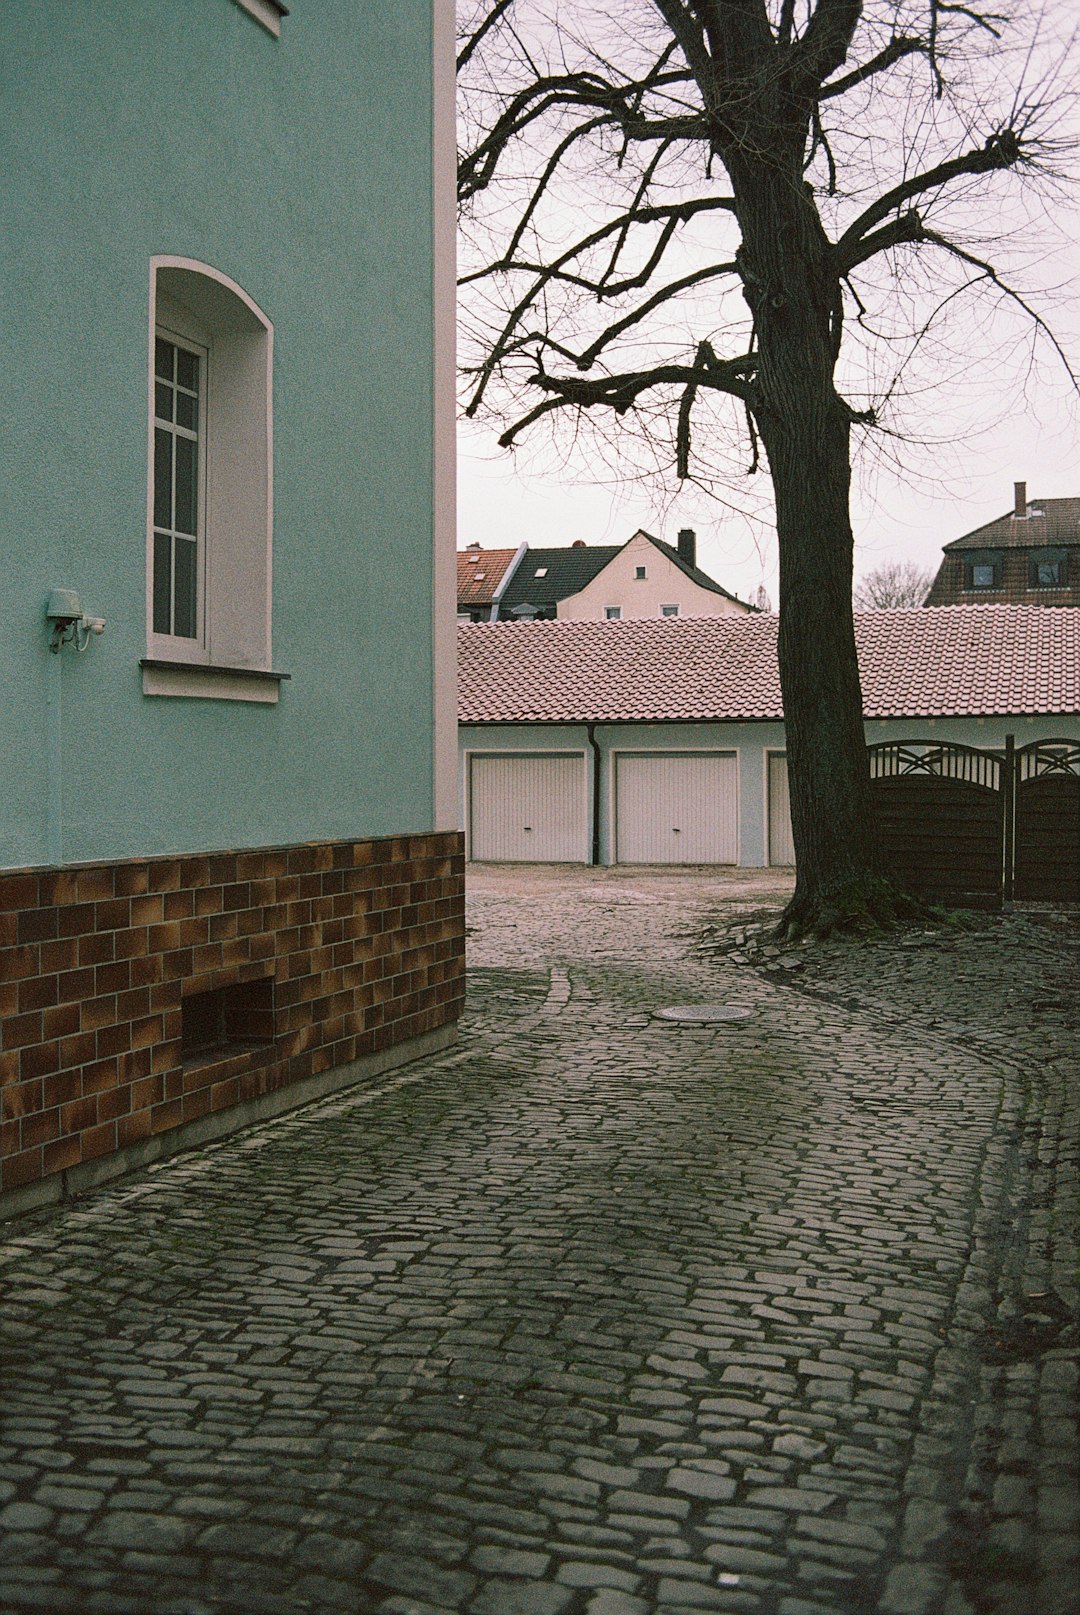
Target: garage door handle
[(675, 830), (528, 827)]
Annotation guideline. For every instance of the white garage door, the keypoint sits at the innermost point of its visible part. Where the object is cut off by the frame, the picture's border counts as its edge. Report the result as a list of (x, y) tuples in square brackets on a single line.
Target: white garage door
[(781, 846), (676, 808), (528, 808)]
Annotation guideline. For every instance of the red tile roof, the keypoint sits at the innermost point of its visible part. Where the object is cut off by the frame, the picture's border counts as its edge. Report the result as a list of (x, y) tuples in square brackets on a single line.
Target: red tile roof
[(956, 661), (479, 573)]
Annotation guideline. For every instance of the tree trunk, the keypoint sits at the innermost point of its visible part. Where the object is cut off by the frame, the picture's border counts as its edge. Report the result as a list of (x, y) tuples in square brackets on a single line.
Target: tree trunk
[(793, 291)]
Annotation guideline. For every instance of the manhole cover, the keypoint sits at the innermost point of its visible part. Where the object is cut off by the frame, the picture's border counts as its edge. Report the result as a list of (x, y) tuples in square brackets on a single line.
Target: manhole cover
[(703, 1014)]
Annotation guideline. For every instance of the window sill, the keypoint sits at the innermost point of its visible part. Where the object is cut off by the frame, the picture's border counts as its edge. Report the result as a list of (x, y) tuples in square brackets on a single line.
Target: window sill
[(200, 682)]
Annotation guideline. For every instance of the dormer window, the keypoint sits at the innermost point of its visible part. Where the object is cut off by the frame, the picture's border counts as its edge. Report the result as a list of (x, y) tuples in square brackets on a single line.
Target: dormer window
[(982, 570), (1048, 569)]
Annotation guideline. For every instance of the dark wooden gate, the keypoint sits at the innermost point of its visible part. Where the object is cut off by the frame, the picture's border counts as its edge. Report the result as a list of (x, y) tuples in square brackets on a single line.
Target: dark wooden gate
[(939, 809), (1046, 823)]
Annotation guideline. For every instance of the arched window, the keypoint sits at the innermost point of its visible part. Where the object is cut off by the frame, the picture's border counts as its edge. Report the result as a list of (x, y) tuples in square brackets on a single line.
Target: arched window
[(210, 471)]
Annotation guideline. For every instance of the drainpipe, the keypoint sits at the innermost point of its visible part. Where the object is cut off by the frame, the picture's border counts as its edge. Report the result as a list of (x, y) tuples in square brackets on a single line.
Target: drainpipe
[(590, 730), (504, 580)]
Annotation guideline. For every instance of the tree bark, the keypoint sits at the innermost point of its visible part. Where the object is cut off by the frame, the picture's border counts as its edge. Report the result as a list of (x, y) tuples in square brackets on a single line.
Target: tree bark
[(792, 288)]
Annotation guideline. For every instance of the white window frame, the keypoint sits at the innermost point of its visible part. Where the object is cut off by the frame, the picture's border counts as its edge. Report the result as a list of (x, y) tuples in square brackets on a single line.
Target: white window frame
[(205, 310), (183, 332)]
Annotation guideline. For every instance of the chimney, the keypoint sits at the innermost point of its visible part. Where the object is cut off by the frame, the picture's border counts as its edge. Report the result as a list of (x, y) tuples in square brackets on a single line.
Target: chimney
[(578, 544), (687, 546), (1020, 509)]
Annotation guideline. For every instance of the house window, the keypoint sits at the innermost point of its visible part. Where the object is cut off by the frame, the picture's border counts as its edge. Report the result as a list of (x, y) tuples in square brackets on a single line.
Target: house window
[(639, 571), (1048, 569), (179, 487), (983, 571), (209, 501), (613, 613), (669, 611), (541, 572)]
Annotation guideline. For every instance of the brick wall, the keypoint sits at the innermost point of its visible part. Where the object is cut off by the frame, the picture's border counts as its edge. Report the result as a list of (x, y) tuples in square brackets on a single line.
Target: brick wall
[(1016, 590), (357, 946)]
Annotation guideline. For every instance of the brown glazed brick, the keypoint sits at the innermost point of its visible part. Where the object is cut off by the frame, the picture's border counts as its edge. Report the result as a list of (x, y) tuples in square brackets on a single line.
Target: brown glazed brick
[(133, 1005), (37, 992), (208, 899), (79, 1114), (97, 1012), (22, 1098), (23, 1168), (19, 1030), (39, 1060), (179, 905), (78, 1049), (9, 928), (131, 880), (96, 883), (147, 1093), (114, 1102), (60, 1155), (146, 1032), (112, 978), (131, 1129), (132, 943), (100, 1140), (136, 1064), (97, 948), (101, 1075), (146, 969), (41, 1128), (9, 998), (36, 925), (194, 872), (221, 927), (164, 876), (17, 963), (165, 937), (77, 920), (20, 891), (168, 1114), (147, 910), (113, 1040), (61, 1088), (114, 915)]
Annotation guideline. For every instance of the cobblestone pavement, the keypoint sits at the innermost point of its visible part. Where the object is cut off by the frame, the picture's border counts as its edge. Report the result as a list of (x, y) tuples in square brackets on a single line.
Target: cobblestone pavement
[(594, 1314)]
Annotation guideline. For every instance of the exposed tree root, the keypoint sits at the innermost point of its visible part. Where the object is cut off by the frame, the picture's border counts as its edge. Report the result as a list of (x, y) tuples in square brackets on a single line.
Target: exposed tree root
[(871, 904)]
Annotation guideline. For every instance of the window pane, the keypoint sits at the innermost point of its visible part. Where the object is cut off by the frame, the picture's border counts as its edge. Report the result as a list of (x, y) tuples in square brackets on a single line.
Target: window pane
[(982, 577), (187, 411), (184, 589), (162, 582), (163, 442), (187, 369), (163, 358), (186, 489), (1049, 574), (163, 401)]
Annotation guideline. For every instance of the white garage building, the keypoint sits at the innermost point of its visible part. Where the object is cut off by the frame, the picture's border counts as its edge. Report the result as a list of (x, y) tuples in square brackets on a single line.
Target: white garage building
[(662, 742)]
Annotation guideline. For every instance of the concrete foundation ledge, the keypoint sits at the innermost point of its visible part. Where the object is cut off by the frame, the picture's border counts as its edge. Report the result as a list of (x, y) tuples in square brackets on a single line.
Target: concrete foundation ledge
[(61, 1188)]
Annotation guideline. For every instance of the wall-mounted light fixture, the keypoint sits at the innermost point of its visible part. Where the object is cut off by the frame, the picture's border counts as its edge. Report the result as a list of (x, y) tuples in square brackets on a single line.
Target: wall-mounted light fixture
[(69, 623)]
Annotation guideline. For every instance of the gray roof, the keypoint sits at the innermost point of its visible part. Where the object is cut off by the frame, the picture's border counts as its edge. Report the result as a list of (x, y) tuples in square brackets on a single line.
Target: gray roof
[(1050, 523), (568, 570)]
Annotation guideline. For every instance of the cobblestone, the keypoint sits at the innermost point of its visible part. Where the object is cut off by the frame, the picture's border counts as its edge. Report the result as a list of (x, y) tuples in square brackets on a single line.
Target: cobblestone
[(594, 1314)]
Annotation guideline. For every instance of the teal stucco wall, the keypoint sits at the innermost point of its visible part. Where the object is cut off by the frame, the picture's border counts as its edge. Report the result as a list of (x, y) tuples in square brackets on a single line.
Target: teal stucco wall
[(301, 168)]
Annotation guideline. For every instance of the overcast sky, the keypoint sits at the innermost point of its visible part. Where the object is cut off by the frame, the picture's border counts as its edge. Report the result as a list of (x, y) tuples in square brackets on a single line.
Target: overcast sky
[(1027, 430)]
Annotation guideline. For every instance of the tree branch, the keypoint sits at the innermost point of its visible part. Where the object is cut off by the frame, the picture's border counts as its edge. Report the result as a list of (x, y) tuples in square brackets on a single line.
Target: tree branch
[(1002, 150), (498, 10), (895, 51)]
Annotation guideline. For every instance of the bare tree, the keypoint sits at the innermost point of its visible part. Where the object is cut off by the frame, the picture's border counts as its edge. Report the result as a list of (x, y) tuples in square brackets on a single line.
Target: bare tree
[(733, 225), (893, 583)]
